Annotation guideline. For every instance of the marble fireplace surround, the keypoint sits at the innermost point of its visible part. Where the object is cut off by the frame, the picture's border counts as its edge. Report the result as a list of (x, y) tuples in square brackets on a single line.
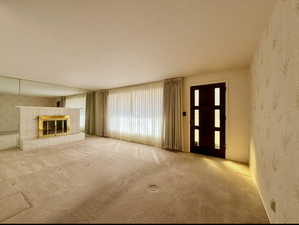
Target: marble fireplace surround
[(28, 126)]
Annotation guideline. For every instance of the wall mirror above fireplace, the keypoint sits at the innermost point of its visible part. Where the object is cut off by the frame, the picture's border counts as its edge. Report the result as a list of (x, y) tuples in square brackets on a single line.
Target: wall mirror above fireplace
[(22, 87), (18, 92)]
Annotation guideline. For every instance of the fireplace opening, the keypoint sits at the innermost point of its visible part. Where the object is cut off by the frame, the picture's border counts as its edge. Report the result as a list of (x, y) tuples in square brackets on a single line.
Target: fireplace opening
[(53, 125)]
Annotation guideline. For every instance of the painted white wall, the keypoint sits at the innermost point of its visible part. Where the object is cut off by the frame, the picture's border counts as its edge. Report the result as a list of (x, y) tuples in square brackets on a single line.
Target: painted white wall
[(275, 114), (237, 110)]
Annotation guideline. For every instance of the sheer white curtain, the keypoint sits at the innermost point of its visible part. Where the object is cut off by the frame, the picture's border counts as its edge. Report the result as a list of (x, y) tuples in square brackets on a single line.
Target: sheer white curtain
[(135, 113), (77, 101)]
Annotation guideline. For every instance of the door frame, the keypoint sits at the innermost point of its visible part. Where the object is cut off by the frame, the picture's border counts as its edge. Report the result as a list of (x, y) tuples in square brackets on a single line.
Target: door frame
[(224, 124)]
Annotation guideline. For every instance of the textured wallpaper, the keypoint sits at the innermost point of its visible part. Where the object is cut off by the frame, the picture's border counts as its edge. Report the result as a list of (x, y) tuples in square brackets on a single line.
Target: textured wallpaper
[(8, 111), (275, 114)]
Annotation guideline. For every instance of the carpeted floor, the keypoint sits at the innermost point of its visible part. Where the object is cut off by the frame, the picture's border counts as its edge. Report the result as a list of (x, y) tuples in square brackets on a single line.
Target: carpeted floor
[(102, 180)]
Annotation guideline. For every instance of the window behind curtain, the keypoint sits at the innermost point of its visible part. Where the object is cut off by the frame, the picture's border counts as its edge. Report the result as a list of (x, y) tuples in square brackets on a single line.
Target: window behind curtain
[(77, 101), (135, 113)]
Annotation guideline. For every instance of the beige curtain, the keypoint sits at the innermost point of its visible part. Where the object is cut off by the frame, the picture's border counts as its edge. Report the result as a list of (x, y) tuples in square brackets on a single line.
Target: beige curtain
[(95, 122), (172, 113)]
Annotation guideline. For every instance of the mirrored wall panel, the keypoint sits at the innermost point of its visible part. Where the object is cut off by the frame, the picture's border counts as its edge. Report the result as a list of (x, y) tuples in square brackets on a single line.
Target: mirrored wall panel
[(32, 88), (17, 92), (9, 86)]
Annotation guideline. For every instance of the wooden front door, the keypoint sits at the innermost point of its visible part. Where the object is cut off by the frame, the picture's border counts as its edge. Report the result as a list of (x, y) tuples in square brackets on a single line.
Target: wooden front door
[(208, 119)]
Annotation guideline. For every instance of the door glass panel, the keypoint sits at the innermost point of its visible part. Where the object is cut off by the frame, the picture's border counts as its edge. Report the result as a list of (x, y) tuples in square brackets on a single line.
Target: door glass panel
[(196, 137), (196, 117), (196, 98), (217, 96), (217, 139), (217, 118)]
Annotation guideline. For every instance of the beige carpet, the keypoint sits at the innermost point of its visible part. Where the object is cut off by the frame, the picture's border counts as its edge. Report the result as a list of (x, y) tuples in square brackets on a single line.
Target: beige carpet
[(104, 180)]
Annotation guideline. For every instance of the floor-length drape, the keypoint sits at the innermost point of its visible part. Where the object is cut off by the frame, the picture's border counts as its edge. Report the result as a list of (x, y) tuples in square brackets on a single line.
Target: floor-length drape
[(90, 113), (135, 113), (100, 112), (172, 112), (95, 113)]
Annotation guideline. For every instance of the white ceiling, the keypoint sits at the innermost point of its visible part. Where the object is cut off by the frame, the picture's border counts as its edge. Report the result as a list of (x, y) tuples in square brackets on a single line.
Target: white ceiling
[(110, 43)]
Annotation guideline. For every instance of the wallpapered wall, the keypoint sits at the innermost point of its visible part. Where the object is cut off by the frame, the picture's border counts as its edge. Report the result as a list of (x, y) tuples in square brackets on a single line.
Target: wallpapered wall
[(8, 111), (275, 114)]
